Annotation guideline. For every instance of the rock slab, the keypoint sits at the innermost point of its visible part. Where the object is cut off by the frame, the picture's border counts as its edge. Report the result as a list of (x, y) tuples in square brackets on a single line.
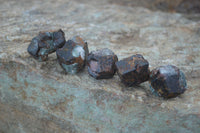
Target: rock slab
[(39, 97)]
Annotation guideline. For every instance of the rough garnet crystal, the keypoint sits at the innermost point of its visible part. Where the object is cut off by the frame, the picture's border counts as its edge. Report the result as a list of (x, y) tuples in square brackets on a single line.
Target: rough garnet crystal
[(167, 81), (101, 63), (133, 70), (72, 56), (46, 43)]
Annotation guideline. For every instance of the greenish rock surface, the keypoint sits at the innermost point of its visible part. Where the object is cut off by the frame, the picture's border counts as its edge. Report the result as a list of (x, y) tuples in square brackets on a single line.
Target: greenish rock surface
[(39, 97)]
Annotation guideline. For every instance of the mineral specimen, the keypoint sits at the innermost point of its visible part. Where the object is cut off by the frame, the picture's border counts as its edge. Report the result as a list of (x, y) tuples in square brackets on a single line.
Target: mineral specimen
[(46, 43), (167, 81), (133, 70), (72, 56), (101, 63)]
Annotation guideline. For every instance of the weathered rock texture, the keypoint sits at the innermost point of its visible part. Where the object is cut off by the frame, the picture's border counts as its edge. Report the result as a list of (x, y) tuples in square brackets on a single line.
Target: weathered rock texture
[(38, 97)]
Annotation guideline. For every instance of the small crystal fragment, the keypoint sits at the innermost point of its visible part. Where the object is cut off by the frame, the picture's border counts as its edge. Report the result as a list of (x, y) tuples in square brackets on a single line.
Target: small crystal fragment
[(72, 56), (101, 63), (46, 43), (133, 70), (167, 81)]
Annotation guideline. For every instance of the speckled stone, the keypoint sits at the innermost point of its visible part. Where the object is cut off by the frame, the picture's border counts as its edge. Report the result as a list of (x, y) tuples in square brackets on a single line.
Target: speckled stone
[(72, 56), (46, 43), (167, 81), (101, 63), (133, 70)]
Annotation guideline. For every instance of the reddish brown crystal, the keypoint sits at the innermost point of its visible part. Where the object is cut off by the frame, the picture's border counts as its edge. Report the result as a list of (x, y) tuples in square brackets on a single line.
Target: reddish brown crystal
[(133, 70), (72, 56), (101, 63), (167, 81), (46, 43)]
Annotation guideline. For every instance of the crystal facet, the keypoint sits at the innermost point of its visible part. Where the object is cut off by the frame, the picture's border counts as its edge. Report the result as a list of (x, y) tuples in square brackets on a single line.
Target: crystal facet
[(72, 56), (133, 70), (101, 63), (46, 43), (167, 81)]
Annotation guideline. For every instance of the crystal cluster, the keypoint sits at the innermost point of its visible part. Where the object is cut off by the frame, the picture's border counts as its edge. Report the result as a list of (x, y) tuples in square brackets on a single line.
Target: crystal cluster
[(165, 81), (46, 43)]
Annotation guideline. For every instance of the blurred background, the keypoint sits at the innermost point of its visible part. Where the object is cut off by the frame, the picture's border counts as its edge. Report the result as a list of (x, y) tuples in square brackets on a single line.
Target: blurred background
[(182, 6)]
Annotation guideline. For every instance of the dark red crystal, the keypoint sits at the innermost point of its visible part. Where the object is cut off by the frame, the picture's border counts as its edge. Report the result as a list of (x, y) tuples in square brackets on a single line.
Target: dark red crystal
[(101, 63), (133, 70), (167, 81)]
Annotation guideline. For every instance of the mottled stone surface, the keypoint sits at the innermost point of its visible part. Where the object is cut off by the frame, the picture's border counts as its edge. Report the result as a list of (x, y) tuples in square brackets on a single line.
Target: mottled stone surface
[(133, 70), (101, 63), (167, 81), (72, 56), (39, 97)]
